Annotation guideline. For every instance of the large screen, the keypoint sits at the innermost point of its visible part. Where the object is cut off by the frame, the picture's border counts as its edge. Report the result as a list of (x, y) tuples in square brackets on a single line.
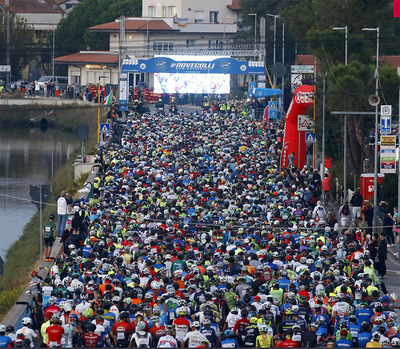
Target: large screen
[(192, 83)]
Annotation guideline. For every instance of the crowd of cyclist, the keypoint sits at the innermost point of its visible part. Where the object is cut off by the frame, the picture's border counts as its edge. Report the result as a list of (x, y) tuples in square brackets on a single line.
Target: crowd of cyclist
[(195, 238)]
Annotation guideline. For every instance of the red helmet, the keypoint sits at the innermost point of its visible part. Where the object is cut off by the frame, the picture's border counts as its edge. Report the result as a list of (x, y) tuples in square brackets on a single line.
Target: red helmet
[(34, 273)]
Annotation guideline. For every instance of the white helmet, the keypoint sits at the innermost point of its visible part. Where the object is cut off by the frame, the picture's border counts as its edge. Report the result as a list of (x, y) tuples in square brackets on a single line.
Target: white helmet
[(26, 321), (52, 300), (67, 307), (2, 328), (155, 285)]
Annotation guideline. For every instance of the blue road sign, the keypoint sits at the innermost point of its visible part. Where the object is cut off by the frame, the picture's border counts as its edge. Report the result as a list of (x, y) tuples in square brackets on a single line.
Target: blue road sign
[(272, 113), (104, 128), (386, 126), (272, 105), (310, 137)]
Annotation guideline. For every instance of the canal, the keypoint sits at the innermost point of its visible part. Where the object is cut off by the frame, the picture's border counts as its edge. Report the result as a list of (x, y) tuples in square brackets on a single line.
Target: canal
[(28, 156)]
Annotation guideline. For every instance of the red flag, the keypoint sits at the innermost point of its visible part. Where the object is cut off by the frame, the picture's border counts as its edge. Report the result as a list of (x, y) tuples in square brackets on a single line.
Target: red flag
[(396, 8)]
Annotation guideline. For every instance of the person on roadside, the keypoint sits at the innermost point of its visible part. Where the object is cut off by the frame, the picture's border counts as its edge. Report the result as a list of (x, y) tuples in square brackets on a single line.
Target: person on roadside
[(356, 203), (382, 255), (345, 215), (62, 212), (326, 188), (49, 234)]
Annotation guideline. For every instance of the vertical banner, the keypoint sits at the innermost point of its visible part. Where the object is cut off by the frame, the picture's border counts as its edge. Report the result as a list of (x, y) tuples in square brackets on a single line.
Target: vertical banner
[(123, 92)]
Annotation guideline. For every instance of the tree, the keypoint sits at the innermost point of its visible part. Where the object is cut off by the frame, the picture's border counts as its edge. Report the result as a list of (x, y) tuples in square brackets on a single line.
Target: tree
[(73, 34), (21, 38)]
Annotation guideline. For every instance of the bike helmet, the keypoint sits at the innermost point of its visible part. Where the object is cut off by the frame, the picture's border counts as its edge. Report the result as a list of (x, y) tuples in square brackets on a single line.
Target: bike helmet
[(195, 324), (26, 321), (228, 333), (376, 336), (254, 320), (395, 342)]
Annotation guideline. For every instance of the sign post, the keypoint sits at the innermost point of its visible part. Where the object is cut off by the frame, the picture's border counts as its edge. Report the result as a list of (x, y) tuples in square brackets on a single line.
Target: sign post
[(388, 154), (272, 109)]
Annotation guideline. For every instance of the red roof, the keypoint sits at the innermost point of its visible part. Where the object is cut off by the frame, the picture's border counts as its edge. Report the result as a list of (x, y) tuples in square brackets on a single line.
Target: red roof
[(133, 25), (33, 6), (235, 6), (89, 58), (305, 59), (392, 60)]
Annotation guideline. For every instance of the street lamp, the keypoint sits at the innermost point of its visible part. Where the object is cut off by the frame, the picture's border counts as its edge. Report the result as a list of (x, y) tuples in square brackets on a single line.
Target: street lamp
[(345, 122), (275, 17), (6, 13), (98, 109), (255, 28), (345, 41), (376, 128)]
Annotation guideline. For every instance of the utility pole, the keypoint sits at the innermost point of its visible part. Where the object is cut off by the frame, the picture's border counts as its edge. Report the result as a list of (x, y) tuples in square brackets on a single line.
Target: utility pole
[(8, 60)]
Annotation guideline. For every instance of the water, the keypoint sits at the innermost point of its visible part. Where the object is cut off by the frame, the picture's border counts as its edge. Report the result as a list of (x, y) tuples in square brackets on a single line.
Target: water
[(27, 157)]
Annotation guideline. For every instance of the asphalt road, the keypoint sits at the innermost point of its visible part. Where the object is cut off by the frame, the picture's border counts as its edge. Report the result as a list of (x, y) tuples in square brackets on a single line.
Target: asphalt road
[(392, 280)]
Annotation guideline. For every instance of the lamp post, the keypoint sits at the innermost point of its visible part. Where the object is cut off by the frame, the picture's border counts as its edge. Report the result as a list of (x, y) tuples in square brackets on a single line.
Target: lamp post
[(6, 14), (345, 122), (54, 44), (98, 109), (255, 31), (275, 17), (345, 41), (376, 127)]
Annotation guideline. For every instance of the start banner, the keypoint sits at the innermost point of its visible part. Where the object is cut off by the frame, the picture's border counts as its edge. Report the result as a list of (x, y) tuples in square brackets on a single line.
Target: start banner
[(168, 65)]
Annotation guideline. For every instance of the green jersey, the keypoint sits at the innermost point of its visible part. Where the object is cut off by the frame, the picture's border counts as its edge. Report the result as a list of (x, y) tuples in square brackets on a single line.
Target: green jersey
[(49, 229)]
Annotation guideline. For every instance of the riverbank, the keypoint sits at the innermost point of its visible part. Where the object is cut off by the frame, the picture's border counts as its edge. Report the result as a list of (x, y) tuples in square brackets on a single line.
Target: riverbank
[(23, 255)]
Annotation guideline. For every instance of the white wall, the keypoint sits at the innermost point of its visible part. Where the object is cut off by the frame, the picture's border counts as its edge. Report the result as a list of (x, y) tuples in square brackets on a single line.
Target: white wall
[(187, 9), (42, 21), (92, 76)]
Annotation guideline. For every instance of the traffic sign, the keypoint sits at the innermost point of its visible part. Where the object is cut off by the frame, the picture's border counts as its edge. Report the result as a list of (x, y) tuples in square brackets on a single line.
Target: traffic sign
[(386, 110), (252, 85), (386, 124), (104, 128), (5, 68), (304, 123), (302, 69), (310, 137)]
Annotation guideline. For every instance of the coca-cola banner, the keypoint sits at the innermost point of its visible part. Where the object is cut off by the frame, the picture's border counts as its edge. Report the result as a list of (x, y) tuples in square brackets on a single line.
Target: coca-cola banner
[(302, 100)]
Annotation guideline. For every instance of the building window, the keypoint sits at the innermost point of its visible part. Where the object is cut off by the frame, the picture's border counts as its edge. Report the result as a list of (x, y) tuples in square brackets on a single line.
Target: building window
[(216, 44), (213, 16), (198, 16), (162, 46), (164, 11), (189, 43), (152, 11), (171, 11)]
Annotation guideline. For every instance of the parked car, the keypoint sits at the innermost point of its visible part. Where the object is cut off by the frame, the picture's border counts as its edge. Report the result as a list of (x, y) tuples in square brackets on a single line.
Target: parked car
[(47, 79)]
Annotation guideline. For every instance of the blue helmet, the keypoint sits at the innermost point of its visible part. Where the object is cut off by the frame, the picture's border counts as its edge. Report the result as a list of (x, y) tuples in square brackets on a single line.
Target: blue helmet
[(228, 333)]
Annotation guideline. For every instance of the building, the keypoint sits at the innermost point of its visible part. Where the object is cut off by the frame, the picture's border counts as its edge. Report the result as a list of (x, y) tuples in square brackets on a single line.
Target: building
[(41, 15), (179, 27), (67, 5)]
